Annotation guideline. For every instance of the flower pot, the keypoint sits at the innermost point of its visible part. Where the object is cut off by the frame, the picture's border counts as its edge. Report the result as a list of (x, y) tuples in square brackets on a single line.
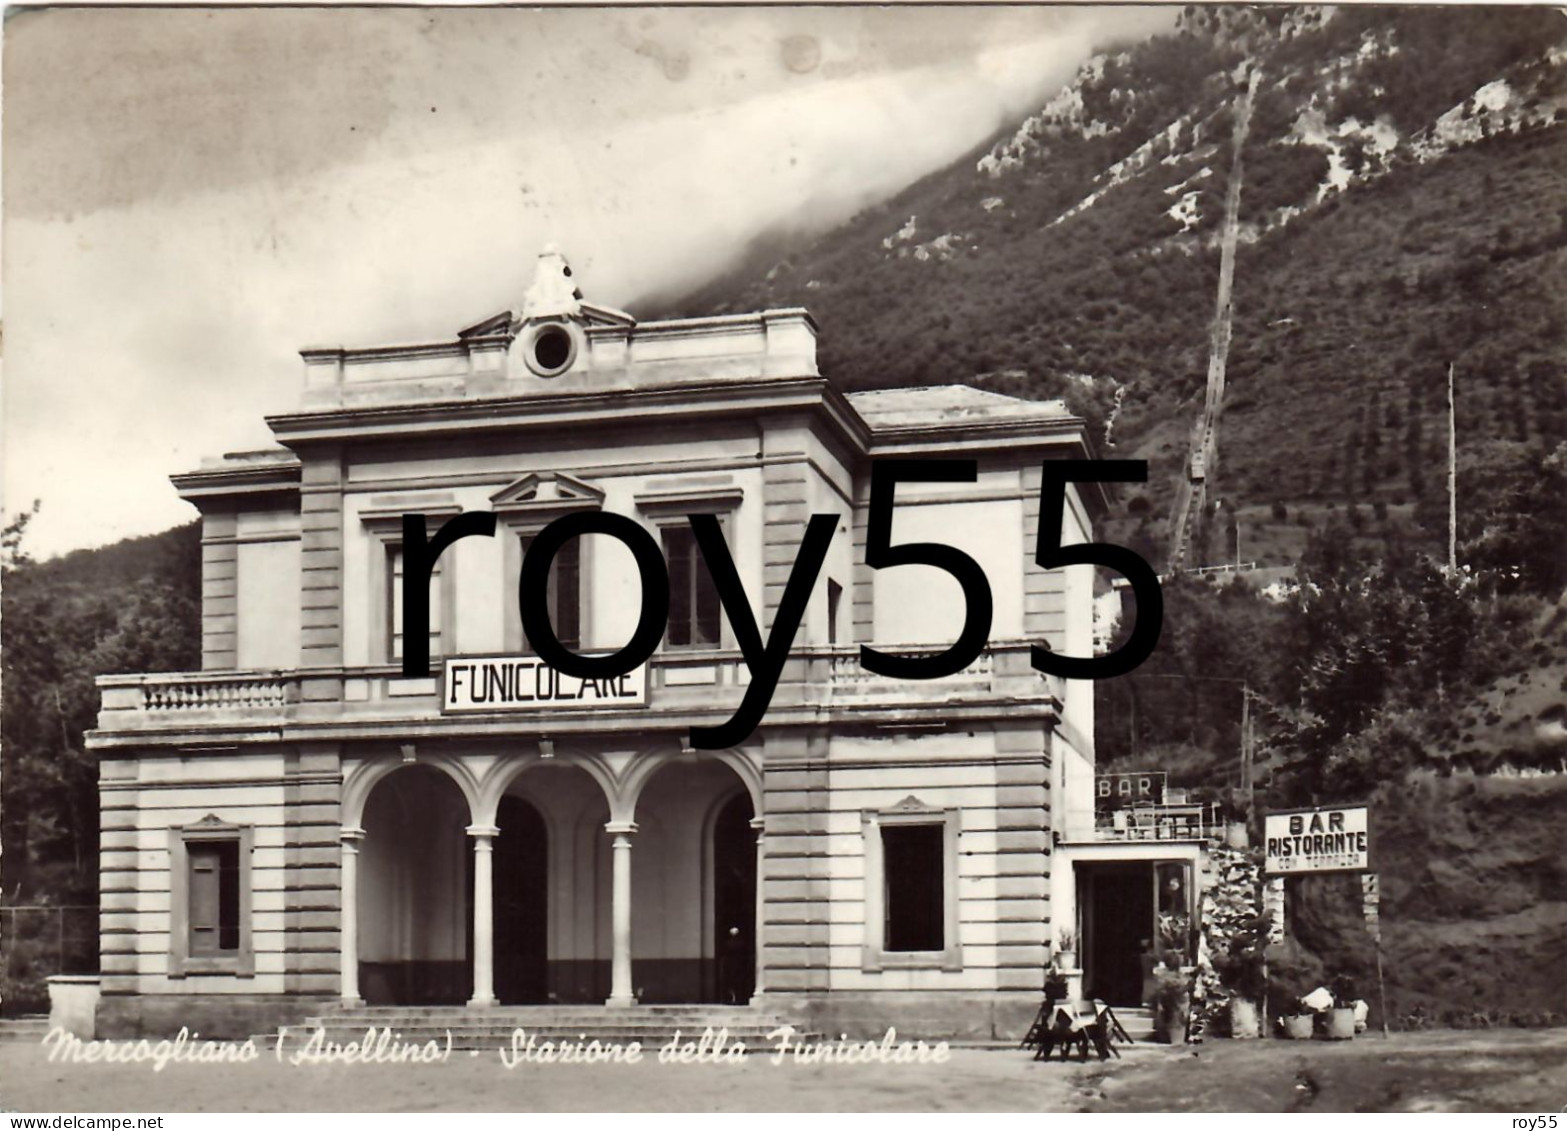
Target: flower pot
[(1298, 1027), (1341, 1023), (1067, 958), (1175, 1032), (1244, 1023)]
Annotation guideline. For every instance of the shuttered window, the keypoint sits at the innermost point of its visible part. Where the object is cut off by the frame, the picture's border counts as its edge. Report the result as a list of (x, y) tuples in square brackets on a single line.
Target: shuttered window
[(213, 896)]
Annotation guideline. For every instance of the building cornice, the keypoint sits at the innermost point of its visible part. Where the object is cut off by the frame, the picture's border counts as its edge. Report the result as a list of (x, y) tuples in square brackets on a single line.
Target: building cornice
[(569, 409), (275, 475), (576, 409), (1043, 708)]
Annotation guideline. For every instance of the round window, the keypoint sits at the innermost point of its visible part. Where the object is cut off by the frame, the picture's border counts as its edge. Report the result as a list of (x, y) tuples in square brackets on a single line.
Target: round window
[(551, 349)]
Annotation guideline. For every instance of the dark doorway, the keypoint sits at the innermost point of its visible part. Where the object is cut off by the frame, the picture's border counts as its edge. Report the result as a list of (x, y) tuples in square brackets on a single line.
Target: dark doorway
[(734, 902), (521, 881), (1118, 916)]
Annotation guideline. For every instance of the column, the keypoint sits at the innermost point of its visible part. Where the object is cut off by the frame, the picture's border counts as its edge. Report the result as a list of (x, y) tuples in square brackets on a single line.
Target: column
[(620, 918), (483, 914), (348, 898), (760, 825)]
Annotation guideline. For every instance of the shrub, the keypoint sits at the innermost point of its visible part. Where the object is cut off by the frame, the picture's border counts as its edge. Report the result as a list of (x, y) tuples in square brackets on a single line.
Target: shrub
[(1243, 967)]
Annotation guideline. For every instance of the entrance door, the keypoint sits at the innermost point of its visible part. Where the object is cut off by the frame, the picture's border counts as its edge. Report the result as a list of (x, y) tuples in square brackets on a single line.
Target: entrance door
[(521, 904), (734, 902), (1118, 918)]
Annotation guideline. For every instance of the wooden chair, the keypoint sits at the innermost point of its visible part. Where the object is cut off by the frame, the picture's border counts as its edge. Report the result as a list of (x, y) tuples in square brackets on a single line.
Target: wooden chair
[(1078, 1026)]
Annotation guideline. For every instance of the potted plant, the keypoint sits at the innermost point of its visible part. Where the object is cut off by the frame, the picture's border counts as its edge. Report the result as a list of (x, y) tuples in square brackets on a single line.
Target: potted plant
[(1243, 970), (1172, 1001), (1341, 1017), (1175, 933), (1297, 1023), (1066, 948), (1056, 984), (1296, 1020)]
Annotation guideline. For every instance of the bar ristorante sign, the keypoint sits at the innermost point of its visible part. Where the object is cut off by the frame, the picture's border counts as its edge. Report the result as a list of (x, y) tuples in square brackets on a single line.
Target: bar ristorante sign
[(1318, 840), (526, 683)]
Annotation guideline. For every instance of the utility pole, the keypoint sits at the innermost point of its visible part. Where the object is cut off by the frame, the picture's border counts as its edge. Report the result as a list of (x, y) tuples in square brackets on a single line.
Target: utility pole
[(1247, 781), (1452, 476)]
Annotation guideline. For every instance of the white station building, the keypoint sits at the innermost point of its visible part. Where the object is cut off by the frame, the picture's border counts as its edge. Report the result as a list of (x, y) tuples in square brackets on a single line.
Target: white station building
[(297, 827)]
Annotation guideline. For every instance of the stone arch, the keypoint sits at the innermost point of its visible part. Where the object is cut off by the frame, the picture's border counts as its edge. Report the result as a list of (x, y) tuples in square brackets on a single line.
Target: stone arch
[(364, 777), (506, 771), (575, 881), (649, 763), (683, 891), (413, 908)]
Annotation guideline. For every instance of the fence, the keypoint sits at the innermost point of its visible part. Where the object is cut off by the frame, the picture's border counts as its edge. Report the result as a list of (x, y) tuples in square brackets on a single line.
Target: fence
[(37, 941)]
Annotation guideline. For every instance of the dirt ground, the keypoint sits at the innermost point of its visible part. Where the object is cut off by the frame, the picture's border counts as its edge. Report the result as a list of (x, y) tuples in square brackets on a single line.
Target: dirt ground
[(1506, 1070), (1512, 1071)]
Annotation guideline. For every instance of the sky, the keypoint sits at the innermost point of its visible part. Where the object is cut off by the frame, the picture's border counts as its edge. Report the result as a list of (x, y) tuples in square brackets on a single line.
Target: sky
[(191, 196)]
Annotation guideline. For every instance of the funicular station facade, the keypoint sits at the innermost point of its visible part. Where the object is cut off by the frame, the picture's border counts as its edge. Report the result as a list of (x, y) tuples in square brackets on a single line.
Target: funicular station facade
[(297, 825)]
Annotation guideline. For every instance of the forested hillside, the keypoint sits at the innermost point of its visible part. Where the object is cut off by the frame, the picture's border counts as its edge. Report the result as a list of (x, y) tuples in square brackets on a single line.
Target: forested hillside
[(1404, 207)]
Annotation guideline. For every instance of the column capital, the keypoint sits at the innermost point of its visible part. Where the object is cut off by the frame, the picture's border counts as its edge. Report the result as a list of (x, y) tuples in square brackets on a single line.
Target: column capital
[(482, 833), (759, 824), (620, 828), (349, 834)]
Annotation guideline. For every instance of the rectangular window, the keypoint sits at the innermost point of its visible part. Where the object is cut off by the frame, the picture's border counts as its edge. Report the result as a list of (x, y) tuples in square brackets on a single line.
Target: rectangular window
[(693, 600), (210, 900), (564, 598), (913, 869), (214, 897), (394, 612)]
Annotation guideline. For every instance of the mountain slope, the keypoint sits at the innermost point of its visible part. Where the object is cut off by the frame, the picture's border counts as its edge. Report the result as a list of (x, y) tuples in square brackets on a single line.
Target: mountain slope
[(1404, 206)]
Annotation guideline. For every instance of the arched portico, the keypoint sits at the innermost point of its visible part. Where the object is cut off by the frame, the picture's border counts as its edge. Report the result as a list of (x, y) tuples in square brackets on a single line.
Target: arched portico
[(547, 907)]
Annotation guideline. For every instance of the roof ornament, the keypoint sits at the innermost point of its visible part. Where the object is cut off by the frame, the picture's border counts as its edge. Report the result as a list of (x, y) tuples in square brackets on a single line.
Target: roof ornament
[(553, 294)]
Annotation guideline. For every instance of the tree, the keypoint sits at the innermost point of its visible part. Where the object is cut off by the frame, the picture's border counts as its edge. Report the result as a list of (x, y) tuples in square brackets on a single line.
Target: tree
[(129, 607), (1379, 659), (12, 555), (1512, 526)]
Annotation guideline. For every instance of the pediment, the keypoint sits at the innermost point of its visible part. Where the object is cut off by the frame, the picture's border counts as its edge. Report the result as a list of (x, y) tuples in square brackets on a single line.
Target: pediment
[(495, 324), (547, 490), (596, 315), (507, 323)]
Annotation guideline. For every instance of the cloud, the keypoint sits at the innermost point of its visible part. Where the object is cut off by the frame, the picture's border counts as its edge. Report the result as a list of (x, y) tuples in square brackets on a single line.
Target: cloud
[(193, 196)]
